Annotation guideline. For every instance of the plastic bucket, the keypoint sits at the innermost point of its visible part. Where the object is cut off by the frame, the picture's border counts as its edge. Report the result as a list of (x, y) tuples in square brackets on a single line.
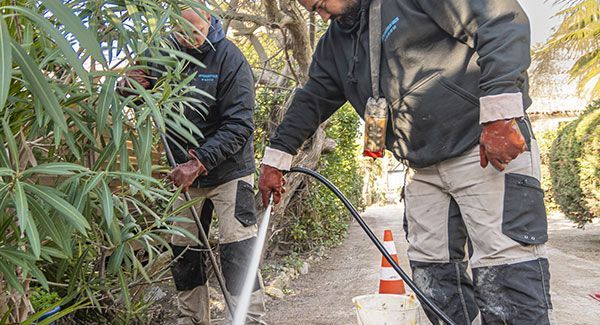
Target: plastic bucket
[(382, 309)]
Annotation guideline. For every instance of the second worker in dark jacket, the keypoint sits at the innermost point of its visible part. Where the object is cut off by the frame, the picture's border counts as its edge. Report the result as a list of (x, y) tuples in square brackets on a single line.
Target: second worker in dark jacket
[(220, 169)]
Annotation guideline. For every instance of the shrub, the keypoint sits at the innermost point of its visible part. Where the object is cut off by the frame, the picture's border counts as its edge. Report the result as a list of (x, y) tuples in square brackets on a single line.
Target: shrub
[(321, 219), (545, 141), (80, 214), (575, 167)]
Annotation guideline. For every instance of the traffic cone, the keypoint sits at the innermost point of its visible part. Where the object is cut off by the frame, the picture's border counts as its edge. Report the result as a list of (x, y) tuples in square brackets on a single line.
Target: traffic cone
[(389, 281)]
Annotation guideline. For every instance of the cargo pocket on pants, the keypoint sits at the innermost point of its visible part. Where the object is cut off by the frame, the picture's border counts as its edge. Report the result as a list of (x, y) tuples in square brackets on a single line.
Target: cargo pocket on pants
[(524, 216), (245, 212)]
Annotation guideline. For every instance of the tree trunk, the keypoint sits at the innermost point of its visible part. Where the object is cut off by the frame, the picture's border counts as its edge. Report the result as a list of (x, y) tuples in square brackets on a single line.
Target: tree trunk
[(297, 40)]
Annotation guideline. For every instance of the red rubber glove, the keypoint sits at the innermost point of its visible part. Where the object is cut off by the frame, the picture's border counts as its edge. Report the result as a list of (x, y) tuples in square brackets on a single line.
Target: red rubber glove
[(138, 75), (271, 181), (186, 173), (500, 142)]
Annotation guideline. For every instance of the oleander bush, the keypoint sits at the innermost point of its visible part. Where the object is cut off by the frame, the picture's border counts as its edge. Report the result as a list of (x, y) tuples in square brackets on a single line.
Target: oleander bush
[(81, 216)]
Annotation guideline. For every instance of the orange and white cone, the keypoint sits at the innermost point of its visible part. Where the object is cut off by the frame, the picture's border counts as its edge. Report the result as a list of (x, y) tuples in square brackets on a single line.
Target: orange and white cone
[(389, 281)]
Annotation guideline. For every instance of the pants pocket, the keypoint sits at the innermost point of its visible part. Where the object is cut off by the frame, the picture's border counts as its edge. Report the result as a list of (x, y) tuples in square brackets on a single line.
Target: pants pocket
[(524, 216), (245, 211)]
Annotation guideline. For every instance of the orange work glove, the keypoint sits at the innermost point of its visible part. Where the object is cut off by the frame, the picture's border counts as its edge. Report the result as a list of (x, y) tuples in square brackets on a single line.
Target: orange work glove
[(271, 181), (138, 75), (500, 142), (186, 173)]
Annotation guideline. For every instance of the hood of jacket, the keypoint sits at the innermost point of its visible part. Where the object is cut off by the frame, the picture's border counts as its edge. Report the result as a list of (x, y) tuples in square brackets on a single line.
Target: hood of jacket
[(215, 35)]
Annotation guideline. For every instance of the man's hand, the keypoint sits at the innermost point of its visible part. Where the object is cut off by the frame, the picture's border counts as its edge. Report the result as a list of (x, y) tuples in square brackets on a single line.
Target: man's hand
[(138, 75), (500, 142), (271, 181), (186, 173)]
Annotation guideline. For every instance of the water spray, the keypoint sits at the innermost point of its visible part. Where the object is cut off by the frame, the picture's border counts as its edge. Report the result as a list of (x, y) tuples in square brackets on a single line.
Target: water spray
[(241, 310)]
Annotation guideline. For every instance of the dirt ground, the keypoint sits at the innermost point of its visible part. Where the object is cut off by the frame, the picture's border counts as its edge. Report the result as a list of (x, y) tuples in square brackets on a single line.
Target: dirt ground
[(323, 296)]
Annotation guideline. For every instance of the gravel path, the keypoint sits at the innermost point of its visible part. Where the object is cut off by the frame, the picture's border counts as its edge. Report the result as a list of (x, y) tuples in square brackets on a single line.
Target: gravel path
[(323, 296)]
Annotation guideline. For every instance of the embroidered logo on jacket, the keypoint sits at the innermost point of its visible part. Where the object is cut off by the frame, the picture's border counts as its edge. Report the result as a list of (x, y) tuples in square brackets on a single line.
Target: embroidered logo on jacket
[(208, 77)]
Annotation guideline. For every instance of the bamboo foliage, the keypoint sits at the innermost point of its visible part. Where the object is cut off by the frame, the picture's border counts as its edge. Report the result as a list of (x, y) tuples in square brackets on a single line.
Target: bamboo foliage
[(80, 211)]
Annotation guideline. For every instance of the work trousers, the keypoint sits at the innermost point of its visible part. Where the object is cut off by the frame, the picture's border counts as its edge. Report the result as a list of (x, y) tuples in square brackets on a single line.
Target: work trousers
[(233, 203), (456, 207)]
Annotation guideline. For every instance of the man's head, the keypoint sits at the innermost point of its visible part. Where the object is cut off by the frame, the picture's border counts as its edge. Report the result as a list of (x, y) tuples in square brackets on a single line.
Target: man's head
[(344, 11), (196, 36)]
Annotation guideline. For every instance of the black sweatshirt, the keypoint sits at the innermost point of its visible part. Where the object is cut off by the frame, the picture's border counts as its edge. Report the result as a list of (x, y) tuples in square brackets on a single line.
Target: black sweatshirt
[(440, 60)]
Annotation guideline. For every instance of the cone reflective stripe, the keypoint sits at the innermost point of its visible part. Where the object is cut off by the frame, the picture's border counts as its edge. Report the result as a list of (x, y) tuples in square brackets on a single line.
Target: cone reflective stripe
[(389, 280)]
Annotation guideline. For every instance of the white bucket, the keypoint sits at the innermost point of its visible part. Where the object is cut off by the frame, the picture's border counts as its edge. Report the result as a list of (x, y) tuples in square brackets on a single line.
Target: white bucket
[(386, 309)]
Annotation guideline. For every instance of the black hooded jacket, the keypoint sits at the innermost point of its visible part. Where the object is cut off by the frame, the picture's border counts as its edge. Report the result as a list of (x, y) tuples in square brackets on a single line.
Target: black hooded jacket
[(227, 149), (438, 59)]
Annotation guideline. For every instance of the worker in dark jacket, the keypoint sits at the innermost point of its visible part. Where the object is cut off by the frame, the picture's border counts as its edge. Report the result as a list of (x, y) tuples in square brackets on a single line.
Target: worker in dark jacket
[(453, 75), (221, 169)]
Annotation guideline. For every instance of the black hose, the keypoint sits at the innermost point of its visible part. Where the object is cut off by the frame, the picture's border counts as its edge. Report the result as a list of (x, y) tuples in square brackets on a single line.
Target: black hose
[(376, 241)]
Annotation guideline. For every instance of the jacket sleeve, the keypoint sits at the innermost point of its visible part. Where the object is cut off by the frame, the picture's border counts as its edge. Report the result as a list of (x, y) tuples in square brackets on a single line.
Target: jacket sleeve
[(500, 33), (311, 105), (235, 100)]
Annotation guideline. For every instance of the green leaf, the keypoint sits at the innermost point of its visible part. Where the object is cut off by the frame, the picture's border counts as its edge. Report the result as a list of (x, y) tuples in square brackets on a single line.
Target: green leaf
[(50, 251), (4, 158), (144, 154), (140, 268), (55, 228), (39, 86), (21, 205), (179, 231), (10, 276), (34, 237), (105, 101), (186, 206), (126, 176), (57, 168), (114, 263), (39, 276), (117, 126), (6, 172), (134, 14), (181, 55), (61, 42), (86, 37), (114, 234), (5, 62), (11, 143), (39, 313), (81, 125), (107, 203), (124, 159), (81, 304), (124, 290), (182, 131), (60, 233), (72, 215), (16, 256), (70, 139)]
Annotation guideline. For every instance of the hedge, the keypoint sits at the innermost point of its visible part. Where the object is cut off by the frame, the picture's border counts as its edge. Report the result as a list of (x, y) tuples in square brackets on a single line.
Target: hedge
[(575, 167)]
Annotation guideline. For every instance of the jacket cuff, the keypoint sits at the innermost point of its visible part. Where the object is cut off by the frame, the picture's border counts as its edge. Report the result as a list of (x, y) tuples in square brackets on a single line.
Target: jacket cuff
[(277, 158), (203, 157), (500, 107)]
